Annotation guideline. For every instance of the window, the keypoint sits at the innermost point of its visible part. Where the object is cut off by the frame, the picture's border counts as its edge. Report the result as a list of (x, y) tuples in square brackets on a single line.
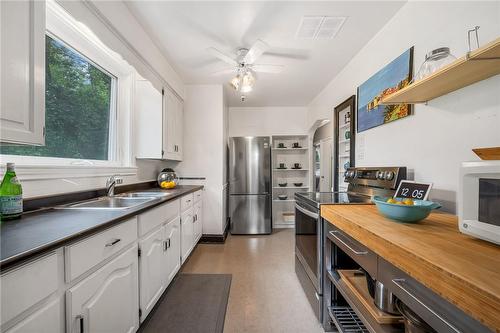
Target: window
[(79, 108)]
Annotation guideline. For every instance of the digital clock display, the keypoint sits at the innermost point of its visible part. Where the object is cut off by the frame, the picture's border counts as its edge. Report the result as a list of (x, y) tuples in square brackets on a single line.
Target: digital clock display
[(413, 190)]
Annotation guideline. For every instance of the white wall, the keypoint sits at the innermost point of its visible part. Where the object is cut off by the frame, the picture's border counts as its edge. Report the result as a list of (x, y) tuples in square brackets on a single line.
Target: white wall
[(439, 136), (260, 121), (203, 149)]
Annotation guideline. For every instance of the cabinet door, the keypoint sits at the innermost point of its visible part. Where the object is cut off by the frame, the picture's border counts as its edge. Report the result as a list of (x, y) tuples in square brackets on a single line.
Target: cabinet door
[(22, 87), (152, 269), (179, 126), (187, 233), (148, 120), (197, 224), (47, 319), (173, 238), (108, 300), (170, 115)]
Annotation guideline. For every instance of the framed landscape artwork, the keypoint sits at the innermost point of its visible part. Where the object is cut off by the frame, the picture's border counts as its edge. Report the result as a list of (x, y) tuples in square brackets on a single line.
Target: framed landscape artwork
[(393, 77)]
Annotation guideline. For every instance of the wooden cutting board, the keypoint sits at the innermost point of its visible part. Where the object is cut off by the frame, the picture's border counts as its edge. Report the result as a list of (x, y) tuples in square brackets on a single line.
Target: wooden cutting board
[(357, 284)]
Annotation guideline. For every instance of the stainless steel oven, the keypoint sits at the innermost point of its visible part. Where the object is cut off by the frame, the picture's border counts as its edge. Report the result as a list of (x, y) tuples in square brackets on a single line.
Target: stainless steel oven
[(309, 226), (309, 252)]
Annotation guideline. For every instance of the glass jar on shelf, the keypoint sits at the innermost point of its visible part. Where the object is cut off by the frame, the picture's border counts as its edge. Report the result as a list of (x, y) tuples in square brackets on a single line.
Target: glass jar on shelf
[(434, 60)]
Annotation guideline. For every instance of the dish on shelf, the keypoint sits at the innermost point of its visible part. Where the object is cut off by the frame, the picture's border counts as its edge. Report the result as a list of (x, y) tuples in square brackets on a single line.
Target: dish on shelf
[(294, 168), (281, 145), (282, 184), (298, 184), (282, 196), (288, 217)]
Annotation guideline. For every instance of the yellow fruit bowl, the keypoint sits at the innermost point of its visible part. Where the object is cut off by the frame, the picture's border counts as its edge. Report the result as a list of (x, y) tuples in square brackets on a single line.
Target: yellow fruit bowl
[(168, 184)]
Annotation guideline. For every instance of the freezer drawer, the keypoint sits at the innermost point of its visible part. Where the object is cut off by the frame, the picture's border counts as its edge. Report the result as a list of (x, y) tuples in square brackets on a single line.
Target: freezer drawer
[(250, 214)]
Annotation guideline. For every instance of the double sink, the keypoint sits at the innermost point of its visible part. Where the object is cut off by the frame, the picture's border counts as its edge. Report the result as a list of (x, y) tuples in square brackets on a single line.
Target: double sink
[(117, 202)]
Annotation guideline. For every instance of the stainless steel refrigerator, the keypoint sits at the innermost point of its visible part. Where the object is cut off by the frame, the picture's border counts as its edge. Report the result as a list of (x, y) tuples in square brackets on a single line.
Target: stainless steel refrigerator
[(250, 199)]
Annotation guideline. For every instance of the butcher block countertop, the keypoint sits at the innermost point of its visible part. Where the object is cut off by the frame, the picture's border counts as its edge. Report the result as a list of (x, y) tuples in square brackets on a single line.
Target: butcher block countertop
[(462, 269)]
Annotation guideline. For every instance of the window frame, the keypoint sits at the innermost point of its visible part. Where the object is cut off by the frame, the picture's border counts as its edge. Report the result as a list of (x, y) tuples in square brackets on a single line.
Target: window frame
[(75, 35)]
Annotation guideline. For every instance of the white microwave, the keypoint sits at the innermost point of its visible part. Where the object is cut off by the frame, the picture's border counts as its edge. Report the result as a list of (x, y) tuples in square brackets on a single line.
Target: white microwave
[(479, 200)]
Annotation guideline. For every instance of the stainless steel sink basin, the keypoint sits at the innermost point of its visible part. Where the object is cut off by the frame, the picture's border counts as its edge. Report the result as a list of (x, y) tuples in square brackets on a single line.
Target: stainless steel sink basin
[(144, 195), (109, 203)]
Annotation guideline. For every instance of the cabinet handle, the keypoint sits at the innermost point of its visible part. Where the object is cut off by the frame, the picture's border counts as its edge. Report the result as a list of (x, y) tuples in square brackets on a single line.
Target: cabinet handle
[(166, 244), (80, 319), (400, 284), (113, 242), (357, 252)]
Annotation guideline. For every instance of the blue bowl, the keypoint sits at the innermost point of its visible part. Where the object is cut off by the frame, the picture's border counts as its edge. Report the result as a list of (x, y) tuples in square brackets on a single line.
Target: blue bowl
[(405, 213)]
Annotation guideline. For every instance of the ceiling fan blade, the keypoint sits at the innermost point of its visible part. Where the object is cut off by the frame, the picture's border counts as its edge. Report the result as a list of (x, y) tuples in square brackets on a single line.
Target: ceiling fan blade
[(222, 56), (264, 68), (224, 71), (255, 51)]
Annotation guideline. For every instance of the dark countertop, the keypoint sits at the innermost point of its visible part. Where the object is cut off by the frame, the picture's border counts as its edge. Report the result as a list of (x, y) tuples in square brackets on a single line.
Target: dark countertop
[(44, 230)]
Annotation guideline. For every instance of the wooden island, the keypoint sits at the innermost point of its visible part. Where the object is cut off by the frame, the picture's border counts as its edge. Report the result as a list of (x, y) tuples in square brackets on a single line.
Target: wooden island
[(463, 270)]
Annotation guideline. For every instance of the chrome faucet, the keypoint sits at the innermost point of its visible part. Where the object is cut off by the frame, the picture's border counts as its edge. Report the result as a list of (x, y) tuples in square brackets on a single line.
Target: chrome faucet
[(110, 184)]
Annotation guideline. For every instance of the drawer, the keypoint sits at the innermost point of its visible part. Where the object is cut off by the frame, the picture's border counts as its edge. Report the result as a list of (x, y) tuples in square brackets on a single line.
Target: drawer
[(197, 195), (158, 215), (187, 202), (87, 253), (357, 251), (442, 315), (28, 284)]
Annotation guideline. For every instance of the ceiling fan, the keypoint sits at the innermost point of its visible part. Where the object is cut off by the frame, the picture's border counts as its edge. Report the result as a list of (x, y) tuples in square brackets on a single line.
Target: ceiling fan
[(243, 64)]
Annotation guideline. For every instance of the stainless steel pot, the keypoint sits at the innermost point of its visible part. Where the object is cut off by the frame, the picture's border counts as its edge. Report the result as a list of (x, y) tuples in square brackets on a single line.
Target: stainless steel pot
[(384, 299), (413, 323)]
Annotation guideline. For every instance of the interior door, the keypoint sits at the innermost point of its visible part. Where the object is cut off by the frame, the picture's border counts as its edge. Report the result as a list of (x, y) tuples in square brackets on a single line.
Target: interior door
[(107, 300), (325, 175), (153, 270), (173, 238)]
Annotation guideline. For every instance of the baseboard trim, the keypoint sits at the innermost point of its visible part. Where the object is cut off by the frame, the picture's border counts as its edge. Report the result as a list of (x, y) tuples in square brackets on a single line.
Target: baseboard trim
[(215, 238)]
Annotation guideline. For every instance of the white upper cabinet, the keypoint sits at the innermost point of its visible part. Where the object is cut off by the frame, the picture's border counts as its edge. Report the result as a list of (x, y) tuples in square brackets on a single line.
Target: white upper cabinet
[(148, 120), (159, 122), (173, 114), (22, 72)]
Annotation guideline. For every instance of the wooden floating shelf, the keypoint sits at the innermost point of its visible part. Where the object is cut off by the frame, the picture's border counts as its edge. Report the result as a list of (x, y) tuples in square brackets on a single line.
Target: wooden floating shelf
[(481, 64)]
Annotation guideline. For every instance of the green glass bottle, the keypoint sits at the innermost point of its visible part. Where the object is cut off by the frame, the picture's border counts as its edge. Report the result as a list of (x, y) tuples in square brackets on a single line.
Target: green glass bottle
[(11, 195)]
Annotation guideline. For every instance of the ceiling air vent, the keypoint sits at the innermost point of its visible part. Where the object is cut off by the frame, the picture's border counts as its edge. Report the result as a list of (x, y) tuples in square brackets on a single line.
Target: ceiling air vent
[(319, 27)]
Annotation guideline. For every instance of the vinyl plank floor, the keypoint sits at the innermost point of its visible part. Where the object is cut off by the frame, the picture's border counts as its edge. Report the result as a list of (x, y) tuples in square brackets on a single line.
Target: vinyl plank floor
[(265, 295)]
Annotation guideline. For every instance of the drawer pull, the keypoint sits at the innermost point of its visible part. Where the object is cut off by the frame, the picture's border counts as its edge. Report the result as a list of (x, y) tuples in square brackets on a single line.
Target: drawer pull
[(113, 242), (357, 252), (166, 244), (80, 319), (400, 284)]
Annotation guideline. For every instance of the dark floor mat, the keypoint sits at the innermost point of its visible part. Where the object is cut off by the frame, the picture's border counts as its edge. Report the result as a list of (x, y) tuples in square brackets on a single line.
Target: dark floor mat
[(193, 303)]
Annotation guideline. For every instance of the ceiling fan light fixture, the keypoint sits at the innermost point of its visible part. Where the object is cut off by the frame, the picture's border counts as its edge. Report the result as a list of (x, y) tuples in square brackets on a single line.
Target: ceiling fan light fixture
[(236, 82), (247, 82)]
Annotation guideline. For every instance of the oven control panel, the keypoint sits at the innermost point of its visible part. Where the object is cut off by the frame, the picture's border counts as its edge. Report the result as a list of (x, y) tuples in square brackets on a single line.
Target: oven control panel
[(380, 177)]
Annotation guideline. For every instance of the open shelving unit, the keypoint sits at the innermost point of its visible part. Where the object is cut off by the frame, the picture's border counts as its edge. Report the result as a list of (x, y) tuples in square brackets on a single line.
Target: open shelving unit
[(344, 120), (475, 66), (284, 210)]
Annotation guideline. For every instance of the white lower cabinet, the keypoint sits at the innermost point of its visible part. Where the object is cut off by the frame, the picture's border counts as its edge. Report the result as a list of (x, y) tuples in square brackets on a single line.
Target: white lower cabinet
[(173, 252), (152, 269), (107, 300), (197, 222), (47, 319), (187, 233)]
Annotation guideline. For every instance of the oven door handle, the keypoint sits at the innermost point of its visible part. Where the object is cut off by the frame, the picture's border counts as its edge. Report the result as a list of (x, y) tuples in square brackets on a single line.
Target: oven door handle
[(308, 213)]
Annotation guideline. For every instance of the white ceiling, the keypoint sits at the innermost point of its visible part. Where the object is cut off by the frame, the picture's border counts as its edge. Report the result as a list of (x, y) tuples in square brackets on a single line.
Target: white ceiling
[(184, 31)]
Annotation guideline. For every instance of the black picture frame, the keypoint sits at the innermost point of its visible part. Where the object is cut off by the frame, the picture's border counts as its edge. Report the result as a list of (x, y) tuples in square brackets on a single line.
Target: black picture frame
[(351, 104)]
